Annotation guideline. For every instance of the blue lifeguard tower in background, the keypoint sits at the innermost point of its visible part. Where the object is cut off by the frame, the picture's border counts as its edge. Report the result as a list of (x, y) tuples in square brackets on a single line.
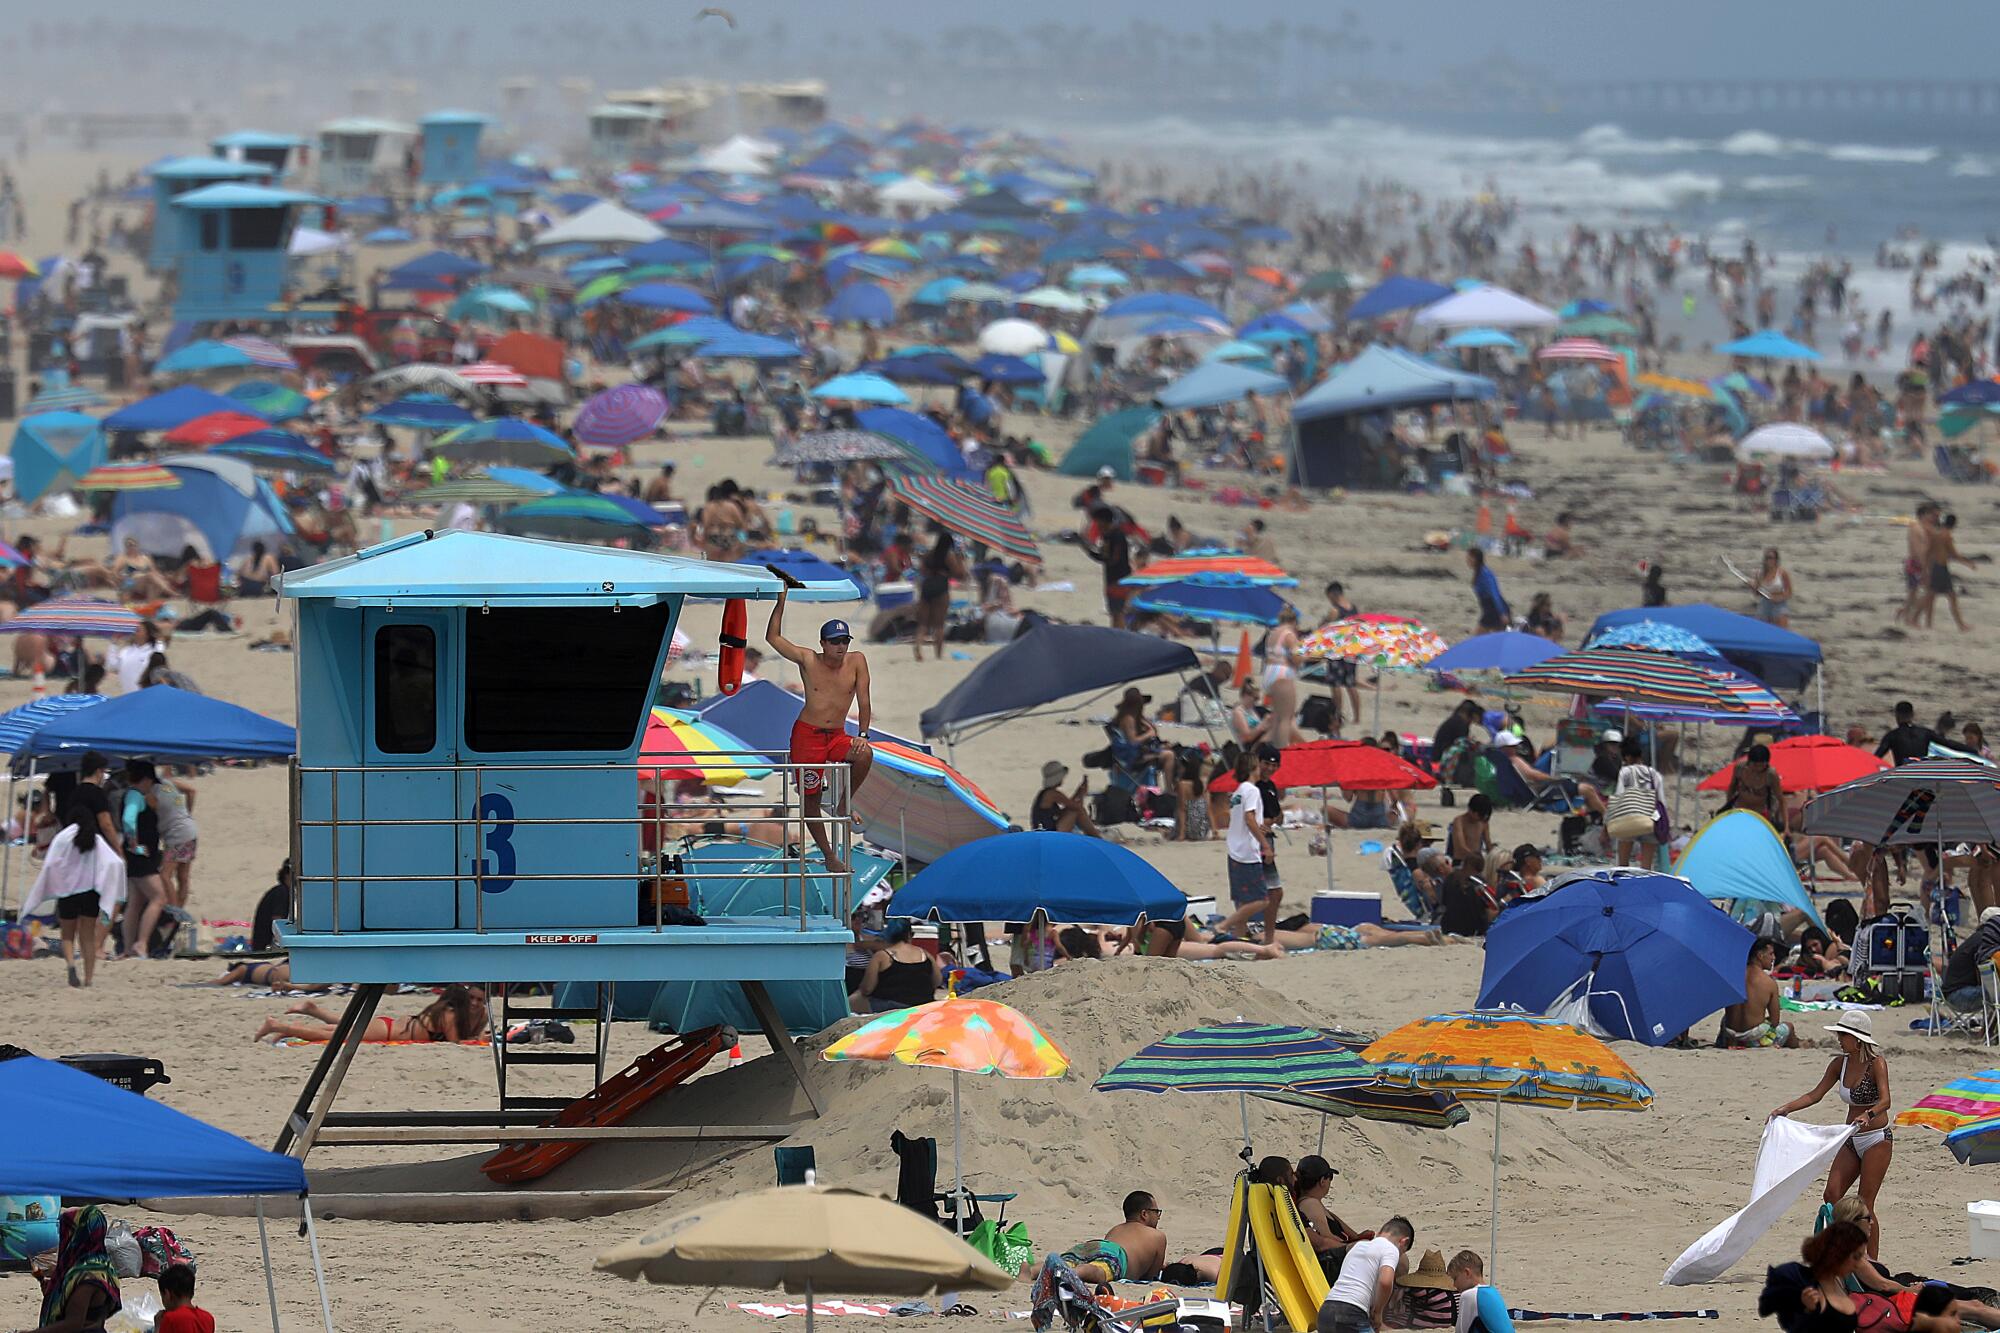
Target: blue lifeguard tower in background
[(231, 251), (350, 153), (259, 146), (451, 146), (182, 175), (467, 795)]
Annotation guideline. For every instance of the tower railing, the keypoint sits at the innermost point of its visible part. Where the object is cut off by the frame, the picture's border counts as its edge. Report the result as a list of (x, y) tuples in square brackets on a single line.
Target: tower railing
[(677, 806)]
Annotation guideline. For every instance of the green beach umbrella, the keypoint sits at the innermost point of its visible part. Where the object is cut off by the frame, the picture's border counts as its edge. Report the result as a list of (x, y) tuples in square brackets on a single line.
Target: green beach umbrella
[(1597, 326), (471, 490), (1328, 280), (580, 516)]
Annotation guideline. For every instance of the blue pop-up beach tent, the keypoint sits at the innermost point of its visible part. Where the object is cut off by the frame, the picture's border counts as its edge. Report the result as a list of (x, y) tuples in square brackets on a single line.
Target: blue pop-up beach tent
[(52, 451), (1739, 858), (163, 723)]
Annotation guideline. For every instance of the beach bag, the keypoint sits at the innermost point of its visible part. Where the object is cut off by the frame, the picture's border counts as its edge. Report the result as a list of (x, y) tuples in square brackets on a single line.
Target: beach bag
[(1632, 813), (1317, 715), (1114, 806)]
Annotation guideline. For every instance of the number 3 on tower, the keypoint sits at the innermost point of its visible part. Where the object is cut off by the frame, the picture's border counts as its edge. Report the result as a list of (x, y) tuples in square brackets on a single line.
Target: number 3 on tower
[(496, 812)]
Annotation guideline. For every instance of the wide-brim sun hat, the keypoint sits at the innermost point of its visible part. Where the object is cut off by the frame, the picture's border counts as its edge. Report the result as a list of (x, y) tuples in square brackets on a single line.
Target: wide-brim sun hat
[(1856, 1024), (1431, 1273)]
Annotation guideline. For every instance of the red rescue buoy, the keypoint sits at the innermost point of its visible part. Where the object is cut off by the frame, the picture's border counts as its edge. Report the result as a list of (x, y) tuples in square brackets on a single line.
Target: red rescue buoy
[(735, 631)]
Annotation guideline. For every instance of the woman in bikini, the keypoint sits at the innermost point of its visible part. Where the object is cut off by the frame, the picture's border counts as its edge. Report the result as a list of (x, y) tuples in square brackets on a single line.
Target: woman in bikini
[(276, 973), (1860, 1074), (459, 1014), (1281, 676)]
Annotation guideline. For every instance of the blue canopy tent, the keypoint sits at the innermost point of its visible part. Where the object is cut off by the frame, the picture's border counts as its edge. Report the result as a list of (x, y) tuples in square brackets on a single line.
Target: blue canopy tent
[(1059, 875), (1214, 383), (861, 303), (922, 436), (52, 451), (1341, 421), (221, 505), (1739, 857), (161, 723), (175, 407), (1047, 663), (1396, 292), (115, 1144), (1780, 658)]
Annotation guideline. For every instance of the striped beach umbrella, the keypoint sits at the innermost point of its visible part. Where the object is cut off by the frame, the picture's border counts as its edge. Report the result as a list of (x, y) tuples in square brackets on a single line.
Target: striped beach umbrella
[(1751, 702), (1634, 674), (471, 490), (1198, 565), (492, 374), (263, 352), (617, 417), (1966, 1110), (19, 725), (128, 477), (72, 398), (1928, 801), (683, 749), (1577, 349), (77, 616), (917, 804), (969, 511), (1507, 1056)]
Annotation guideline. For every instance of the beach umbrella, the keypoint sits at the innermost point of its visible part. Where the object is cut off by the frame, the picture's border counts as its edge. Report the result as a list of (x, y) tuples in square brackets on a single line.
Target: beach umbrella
[(215, 427), (921, 807), (1658, 635), (860, 386), (1053, 298), (739, 346), (1635, 674), (666, 296), (1785, 439), (470, 490), (1097, 275), (1012, 370), (1577, 349), (1111, 442), (1966, 1111), (1507, 650), (1378, 640), (802, 1237), (1673, 384), (1504, 1056), (78, 617), (837, 446), (966, 1036), (861, 303), (1269, 1060), (205, 355), (492, 375), (1769, 345), (1973, 393), (1349, 765), (923, 367), (420, 412), (1645, 953), (1808, 763), (685, 749), (581, 517), (1599, 324), (263, 353), (969, 511), (1063, 877), (1013, 337), (619, 416), (1747, 702), (1200, 565), (504, 440), (388, 236), (1929, 800), (1218, 598), (1326, 281), (128, 477), (19, 724), (937, 291), (72, 398), (979, 293), (421, 377), (14, 267), (273, 402), (1480, 338), (276, 451)]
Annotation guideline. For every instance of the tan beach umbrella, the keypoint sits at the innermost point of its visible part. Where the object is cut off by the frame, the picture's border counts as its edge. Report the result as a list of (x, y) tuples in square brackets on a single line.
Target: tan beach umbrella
[(802, 1237)]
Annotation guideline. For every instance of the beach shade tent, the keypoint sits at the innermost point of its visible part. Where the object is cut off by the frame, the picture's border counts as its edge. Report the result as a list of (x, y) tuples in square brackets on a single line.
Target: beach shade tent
[(1936, 801), (118, 1145), (1107, 443), (966, 1036), (1808, 763), (619, 416), (1014, 337), (220, 508), (927, 446), (1781, 658), (1336, 417), (860, 386), (1046, 664), (861, 303), (175, 407), (508, 440), (1395, 293), (806, 568), (51, 450), (801, 1238), (1636, 675), (968, 510), (838, 446), (1508, 650), (1785, 439), (1478, 338), (273, 402), (1768, 345), (1507, 1056), (1644, 955), (162, 722), (1224, 597), (1217, 382), (1486, 306), (601, 224), (578, 517), (1967, 1112), (1059, 875), (995, 368), (1738, 857)]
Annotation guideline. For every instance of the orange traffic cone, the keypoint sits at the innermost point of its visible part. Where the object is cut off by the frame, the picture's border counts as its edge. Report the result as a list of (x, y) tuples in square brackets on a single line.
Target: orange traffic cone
[(41, 686), (736, 1055), (1242, 660)]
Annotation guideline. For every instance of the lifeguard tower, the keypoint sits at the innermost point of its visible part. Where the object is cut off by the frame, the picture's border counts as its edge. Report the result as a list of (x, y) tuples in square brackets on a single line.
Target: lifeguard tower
[(350, 152), (466, 806), (180, 176), (231, 251), (258, 146), (620, 133), (451, 146)]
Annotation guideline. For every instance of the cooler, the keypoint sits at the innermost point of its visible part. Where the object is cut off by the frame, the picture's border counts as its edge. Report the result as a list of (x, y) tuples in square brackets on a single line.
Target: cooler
[(1149, 474), (1335, 908), (889, 596), (1982, 1225)]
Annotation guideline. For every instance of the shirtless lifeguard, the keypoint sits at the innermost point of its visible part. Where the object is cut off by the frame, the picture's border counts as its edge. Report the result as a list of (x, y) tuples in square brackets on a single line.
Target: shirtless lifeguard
[(835, 679)]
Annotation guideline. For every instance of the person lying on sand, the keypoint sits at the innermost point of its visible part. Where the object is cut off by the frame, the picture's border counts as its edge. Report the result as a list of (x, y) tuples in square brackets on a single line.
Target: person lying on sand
[(275, 973), (459, 1014), (1134, 1250)]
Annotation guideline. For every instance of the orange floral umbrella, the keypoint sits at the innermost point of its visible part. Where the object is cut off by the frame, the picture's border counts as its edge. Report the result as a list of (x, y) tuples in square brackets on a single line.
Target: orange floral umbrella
[(965, 1036)]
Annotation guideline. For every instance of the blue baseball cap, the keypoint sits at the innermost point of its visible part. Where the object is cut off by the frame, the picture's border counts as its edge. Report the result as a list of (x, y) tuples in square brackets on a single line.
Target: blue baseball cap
[(834, 629)]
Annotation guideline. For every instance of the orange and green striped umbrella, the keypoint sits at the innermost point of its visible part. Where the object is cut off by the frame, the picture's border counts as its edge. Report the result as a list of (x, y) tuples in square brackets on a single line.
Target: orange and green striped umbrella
[(1207, 564), (969, 511), (128, 477)]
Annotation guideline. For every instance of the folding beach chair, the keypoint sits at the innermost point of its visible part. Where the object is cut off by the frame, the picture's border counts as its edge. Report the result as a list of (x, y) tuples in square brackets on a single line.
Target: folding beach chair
[(916, 1186)]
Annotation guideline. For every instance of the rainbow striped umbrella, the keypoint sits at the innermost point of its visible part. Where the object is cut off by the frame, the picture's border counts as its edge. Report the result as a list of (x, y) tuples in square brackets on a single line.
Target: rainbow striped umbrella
[(128, 477), (1198, 565), (1633, 674), (617, 417), (1755, 704), (687, 750), (917, 804), (1966, 1110), (263, 352), (969, 511), (76, 616)]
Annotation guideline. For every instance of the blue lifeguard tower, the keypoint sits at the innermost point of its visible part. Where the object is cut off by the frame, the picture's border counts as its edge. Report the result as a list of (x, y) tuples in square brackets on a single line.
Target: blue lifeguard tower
[(258, 146), (466, 805), (179, 176), (451, 146), (350, 151), (231, 251)]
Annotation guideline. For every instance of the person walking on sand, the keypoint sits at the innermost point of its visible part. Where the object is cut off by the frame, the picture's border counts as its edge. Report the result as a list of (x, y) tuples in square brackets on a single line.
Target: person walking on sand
[(834, 679), (1493, 612), (1916, 561), (1774, 590), (1943, 551)]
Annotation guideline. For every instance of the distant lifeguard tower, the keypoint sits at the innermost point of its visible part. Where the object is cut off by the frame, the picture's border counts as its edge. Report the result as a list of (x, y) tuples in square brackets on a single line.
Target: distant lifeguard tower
[(620, 133), (182, 175), (351, 150), (466, 806), (231, 251), (451, 146), (275, 151)]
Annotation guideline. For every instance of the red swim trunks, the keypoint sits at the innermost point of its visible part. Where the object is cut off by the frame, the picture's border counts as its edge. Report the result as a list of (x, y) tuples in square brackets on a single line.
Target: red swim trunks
[(818, 745)]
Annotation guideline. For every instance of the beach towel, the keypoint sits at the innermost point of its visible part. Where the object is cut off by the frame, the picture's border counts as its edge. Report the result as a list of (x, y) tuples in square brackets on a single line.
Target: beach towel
[(1791, 1156)]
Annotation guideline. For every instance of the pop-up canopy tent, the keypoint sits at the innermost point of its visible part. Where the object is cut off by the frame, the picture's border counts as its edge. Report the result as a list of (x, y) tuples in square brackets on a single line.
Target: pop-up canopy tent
[(1780, 658), (1342, 434), (1047, 663), (114, 1144), (160, 723)]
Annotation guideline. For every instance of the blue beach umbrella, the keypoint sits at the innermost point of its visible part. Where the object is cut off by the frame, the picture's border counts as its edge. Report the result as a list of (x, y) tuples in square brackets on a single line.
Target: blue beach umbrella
[(1769, 345), (1480, 337), (1001, 369), (1219, 597), (1505, 651), (504, 440), (421, 411), (860, 386), (1062, 876)]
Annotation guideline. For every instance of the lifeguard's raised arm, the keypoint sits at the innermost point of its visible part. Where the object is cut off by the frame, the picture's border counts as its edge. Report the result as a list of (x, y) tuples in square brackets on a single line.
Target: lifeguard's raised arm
[(774, 634), (864, 707)]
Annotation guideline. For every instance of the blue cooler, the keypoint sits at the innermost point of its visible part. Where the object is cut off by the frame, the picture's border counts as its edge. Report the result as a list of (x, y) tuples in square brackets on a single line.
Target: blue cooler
[(1346, 909), (889, 596)]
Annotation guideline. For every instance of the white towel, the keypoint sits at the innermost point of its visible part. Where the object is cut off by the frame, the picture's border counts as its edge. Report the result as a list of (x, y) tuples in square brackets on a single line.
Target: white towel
[(1791, 1156)]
